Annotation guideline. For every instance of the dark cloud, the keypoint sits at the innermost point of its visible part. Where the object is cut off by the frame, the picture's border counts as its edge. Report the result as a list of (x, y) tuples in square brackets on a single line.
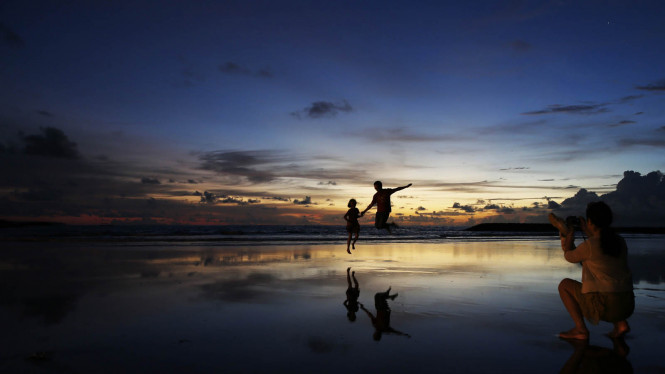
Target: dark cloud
[(656, 86), (238, 69), (264, 73), (233, 68), (39, 194), (252, 165), (516, 168), (232, 200), (208, 197), (551, 204), (45, 113), (466, 208), (146, 180), (277, 198), (10, 38), (637, 201), (264, 166), (51, 143), (420, 208), (323, 109), (571, 109), (520, 46), (622, 123), (649, 142), (329, 183), (629, 98), (306, 201)]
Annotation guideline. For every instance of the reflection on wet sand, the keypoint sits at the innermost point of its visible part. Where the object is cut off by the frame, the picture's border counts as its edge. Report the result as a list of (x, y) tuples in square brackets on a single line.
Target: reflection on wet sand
[(381, 321), (594, 359), (352, 294), (125, 305)]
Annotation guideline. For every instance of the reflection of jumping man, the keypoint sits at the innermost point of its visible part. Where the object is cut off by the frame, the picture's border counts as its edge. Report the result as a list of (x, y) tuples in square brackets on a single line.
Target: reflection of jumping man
[(382, 200), (381, 322), (352, 294)]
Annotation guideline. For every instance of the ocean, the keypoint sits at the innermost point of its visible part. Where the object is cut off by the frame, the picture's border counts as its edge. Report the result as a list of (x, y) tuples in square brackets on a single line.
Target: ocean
[(247, 234)]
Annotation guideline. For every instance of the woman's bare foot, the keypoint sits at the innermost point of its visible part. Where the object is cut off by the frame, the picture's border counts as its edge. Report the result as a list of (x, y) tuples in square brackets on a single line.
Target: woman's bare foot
[(574, 333), (348, 251), (620, 329)]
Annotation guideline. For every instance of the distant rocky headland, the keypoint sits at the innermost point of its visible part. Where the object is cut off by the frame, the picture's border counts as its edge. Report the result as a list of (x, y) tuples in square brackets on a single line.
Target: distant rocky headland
[(4, 223), (546, 228)]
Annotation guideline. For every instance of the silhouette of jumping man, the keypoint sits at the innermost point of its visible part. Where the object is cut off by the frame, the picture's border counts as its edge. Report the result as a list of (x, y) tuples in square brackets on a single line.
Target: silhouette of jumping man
[(382, 200), (352, 294), (381, 322)]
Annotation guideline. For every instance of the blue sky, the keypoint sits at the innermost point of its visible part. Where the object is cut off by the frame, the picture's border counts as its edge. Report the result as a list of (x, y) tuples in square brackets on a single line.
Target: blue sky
[(283, 110)]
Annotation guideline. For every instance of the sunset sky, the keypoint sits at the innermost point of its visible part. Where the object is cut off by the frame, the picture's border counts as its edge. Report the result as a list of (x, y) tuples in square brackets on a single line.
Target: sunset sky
[(279, 112)]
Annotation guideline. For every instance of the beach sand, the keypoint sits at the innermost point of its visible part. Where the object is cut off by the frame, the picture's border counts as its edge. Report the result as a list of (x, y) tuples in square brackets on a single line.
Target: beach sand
[(477, 306)]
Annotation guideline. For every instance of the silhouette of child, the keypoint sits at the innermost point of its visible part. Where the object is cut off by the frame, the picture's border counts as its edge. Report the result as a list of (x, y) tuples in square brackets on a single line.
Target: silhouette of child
[(352, 294), (352, 224)]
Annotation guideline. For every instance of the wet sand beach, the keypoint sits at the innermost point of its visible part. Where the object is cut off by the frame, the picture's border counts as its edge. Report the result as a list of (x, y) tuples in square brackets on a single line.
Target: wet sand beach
[(470, 306)]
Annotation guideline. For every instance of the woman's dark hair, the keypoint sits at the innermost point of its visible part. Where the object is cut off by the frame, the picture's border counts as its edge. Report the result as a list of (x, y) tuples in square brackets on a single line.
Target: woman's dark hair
[(601, 215), (351, 202)]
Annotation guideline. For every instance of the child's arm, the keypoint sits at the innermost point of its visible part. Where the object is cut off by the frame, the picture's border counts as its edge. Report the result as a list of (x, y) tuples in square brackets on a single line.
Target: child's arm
[(369, 206)]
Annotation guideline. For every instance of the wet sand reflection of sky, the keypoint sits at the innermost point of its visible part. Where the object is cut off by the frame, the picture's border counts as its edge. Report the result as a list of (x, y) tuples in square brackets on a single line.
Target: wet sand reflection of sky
[(178, 305)]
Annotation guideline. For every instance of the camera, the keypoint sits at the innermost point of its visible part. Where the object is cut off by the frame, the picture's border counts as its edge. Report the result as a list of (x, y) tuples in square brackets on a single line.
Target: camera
[(573, 221)]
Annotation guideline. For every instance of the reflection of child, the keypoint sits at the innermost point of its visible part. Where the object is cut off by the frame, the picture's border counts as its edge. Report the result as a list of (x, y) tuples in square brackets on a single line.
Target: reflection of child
[(352, 224), (352, 294)]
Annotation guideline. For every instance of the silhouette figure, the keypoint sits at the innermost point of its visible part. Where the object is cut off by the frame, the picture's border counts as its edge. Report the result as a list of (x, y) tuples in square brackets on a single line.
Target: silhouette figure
[(381, 321), (593, 359), (352, 224), (382, 200), (606, 291), (352, 294)]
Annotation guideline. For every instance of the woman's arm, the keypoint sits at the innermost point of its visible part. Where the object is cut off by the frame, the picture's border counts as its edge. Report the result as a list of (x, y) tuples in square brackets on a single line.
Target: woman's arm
[(578, 254)]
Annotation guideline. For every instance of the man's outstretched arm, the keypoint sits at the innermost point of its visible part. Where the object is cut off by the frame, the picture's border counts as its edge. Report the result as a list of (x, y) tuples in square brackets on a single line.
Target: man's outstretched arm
[(403, 187)]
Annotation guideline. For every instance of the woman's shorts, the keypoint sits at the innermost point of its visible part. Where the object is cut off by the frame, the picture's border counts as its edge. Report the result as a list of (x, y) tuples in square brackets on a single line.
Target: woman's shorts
[(605, 306), (352, 229)]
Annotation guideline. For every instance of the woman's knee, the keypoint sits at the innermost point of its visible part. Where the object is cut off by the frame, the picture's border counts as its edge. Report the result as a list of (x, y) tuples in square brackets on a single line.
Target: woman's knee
[(567, 285)]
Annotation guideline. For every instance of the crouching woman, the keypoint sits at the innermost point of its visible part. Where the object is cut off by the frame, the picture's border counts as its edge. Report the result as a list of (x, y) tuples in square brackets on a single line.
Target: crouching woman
[(606, 290)]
